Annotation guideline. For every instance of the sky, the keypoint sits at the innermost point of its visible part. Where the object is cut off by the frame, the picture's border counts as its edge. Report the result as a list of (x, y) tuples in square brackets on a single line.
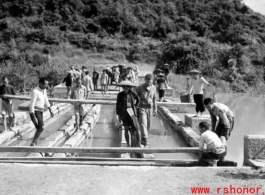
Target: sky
[(256, 5)]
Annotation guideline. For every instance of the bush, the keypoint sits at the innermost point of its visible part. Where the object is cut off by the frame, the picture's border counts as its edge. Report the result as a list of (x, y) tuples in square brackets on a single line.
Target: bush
[(239, 86)]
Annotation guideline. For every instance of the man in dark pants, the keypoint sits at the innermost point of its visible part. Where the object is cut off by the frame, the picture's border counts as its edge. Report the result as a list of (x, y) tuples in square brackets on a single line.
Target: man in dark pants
[(38, 102), (7, 105), (68, 82), (166, 70), (226, 119), (95, 78)]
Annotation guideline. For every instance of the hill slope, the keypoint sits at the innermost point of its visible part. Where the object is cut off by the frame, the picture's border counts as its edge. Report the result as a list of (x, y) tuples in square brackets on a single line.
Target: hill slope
[(187, 34)]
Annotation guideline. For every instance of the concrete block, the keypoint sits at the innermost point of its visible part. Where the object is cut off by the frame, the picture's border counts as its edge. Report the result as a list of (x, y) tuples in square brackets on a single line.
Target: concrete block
[(254, 147), (194, 122)]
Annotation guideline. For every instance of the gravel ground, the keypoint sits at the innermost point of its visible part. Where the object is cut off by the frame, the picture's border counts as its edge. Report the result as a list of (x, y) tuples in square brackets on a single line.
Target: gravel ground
[(82, 179)]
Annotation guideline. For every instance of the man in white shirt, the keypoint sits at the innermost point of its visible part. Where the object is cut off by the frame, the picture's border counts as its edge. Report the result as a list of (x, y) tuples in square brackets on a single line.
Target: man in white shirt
[(196, 88), (215, 149), (78, 92), (38, 102), (87, 82)]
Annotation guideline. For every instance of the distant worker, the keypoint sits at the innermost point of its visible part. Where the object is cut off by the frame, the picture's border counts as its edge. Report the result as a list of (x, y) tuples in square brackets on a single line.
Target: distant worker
[(148, 106), (161, 86), (104, 81), (109, 73), (137, 72), (88, 84), (127, 75), (126, 108), (95, 78), (215, 150), (166, 71), (78, 93), (68, 80), (38, 102), (77, 73), (84, 69), (7, 104), (116, 75), (226, 119), (196, 86)]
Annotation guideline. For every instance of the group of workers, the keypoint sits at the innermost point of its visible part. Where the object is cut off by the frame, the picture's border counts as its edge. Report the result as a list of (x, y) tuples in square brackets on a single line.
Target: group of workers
[(216, 137), (134, 102)]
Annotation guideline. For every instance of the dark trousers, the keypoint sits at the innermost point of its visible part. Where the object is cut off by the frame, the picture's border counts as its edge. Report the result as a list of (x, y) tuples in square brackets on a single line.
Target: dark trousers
[(39, 125), (198, 100), (39, 117)]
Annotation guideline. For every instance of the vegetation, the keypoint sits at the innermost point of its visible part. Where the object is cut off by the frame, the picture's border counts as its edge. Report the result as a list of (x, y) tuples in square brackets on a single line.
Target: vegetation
[(40, 38)]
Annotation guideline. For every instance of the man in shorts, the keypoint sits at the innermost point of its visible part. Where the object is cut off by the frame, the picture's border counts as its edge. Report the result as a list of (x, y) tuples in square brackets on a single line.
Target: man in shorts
[(226, 119), (38, 102), (78, 92), (7, 104)]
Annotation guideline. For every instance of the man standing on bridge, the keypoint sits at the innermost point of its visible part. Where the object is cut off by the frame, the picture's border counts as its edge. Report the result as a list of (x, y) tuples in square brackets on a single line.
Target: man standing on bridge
[(226, 119), (38, 102), (148, 106), (78, 92), (7, 105)]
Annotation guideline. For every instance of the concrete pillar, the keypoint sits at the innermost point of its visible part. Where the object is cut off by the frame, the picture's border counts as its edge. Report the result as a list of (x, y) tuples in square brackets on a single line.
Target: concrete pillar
[(254, 148), (194, 122)]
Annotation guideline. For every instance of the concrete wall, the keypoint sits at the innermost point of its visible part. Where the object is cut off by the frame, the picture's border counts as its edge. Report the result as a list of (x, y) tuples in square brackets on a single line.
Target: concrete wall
[(254, 148)]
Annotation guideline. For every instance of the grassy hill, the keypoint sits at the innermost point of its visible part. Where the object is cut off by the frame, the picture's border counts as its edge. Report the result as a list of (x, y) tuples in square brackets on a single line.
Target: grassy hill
[(42, 38)]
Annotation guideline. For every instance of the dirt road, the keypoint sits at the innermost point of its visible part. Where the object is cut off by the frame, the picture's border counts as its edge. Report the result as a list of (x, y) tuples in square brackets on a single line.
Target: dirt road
[(75, 180)]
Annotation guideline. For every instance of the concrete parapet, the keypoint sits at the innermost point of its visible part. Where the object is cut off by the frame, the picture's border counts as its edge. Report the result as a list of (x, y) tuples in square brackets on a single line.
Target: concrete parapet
[(194, 122), (254, 149), (180, 108), (9, 137), (190, 136)]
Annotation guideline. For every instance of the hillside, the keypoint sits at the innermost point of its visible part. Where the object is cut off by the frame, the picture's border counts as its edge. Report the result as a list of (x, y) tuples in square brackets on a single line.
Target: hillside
[(40, 38)]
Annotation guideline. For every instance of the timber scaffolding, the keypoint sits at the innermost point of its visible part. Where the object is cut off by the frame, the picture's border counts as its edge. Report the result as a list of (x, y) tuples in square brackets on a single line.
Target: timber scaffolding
[(164, 109)]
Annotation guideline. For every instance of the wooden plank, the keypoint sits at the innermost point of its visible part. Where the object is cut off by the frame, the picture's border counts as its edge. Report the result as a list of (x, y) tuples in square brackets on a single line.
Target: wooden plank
[(123, 162), (98, 149), (71, 101)]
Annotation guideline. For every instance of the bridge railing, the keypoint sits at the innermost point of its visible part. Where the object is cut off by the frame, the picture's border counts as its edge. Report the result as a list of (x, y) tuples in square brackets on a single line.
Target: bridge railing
[(105, 102), (81, 150)]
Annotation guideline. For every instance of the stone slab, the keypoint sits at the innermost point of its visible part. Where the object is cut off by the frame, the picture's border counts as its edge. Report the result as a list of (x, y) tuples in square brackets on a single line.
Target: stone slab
[(254, 147), (257, 164), (194, 122)]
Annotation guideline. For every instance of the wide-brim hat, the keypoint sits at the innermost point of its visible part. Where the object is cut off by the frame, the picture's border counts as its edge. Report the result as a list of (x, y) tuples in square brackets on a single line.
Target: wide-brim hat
[(194, 71), (122, 65), (160, 75), (126, 83), (158, 70), (166, 64)]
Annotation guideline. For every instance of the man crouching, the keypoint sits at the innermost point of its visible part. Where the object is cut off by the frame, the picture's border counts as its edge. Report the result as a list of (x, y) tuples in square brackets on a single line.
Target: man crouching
[(215, 150)]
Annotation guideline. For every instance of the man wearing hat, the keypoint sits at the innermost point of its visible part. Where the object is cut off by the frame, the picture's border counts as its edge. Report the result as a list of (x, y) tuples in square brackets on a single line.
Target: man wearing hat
[(126, 110), (148, 106), (196, 88)]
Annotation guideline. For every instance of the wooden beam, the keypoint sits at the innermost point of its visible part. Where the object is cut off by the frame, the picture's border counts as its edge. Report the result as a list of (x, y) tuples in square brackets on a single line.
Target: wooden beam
[(97, 150), (129, 162), (105, 102)]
